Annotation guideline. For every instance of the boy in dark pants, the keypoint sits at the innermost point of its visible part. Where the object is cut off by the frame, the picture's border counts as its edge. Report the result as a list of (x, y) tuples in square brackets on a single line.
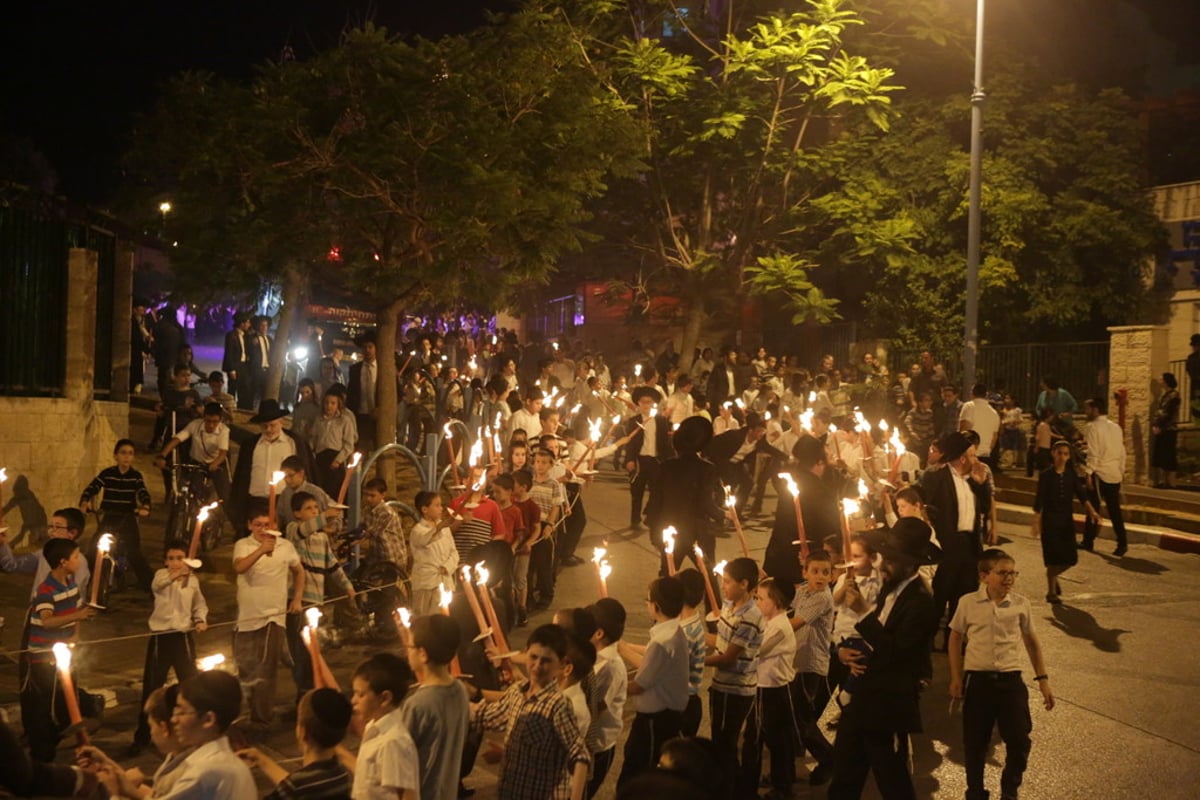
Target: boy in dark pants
[(988, 676), (179, 608), (54, 615), (734, 652)]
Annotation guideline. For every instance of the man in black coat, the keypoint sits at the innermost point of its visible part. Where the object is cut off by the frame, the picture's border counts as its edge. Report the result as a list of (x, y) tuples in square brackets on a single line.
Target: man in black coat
[(687, 496), (646, 451), (884, 707), (168, 338), (736, 452), (259, 458), (258, 358), (727, 380), (818, 508), (235, 359), (362, 390), (959, 529)]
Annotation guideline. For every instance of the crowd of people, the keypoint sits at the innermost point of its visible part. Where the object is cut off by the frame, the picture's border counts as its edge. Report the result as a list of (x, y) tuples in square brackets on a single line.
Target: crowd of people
[(846, 605)]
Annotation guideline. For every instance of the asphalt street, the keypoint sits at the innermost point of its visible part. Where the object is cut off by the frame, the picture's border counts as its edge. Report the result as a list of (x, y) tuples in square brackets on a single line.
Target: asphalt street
[(1121, 652)]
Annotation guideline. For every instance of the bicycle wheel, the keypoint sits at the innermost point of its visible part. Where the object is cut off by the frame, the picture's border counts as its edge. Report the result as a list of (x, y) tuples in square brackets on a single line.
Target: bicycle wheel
[(382, 590), (210, 534)]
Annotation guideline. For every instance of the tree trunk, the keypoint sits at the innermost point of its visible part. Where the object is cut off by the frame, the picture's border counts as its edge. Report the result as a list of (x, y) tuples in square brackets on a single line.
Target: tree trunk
[(692, 324), (293, 292), (386, 389)]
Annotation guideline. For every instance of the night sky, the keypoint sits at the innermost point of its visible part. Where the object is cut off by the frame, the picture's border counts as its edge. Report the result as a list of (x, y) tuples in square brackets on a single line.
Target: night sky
[(73, 73)]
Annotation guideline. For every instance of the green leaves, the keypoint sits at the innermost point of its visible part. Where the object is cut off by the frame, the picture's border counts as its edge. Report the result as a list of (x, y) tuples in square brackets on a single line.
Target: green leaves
[(783, 277)]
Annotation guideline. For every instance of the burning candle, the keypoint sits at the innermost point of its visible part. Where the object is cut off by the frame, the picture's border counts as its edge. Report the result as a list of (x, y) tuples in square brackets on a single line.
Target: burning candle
[(102, 547), (849, 506), (276, 479), (603, 569), (637, 371), (593, 437), (404, 617), (899, 450), (447, 597), (801, 537), (62, 660), (355, 460), (476, 609), (669, 534), (712, 596), (481, 579), (209, 663), (201, 518), (449, 433), (731, 502), (309, 634)]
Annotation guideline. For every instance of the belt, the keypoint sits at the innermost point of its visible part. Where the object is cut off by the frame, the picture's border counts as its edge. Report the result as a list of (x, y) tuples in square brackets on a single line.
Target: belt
[(993, 675)]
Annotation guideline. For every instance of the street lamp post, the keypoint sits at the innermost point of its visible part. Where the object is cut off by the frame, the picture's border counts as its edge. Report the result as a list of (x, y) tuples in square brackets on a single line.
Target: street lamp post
[(971, 338), (164, 208)]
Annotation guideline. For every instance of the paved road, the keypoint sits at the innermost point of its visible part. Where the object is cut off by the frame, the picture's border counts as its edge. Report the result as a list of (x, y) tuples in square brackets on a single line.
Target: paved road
[(1121, 651)]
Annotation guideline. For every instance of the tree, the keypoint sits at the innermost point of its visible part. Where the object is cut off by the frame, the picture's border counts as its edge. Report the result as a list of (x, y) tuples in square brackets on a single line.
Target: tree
[(747, 121), (1068, 226)]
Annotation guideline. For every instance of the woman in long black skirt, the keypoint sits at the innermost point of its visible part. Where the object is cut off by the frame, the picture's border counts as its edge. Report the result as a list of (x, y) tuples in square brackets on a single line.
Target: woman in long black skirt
[(1057, 489), (1163, 455)]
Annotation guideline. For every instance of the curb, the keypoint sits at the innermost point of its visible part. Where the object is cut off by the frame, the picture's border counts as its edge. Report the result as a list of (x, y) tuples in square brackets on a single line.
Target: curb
[(1162, 538)]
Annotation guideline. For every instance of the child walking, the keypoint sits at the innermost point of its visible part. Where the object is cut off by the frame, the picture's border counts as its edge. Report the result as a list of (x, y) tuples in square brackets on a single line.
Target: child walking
[(812, 621), (125, 498), (772, 720), (1053, 522), (179, 609), (987, 677)]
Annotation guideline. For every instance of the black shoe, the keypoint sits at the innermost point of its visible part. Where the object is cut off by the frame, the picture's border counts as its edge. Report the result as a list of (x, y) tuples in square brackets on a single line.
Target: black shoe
[(1086, 546), (820, 774), (572, 561), (522, 618), (1053, 599), (1120, 551)]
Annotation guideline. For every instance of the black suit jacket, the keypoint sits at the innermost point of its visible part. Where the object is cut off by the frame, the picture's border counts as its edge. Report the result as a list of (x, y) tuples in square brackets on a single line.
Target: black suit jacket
[(887, 697), (239, 494), (937, 490), (724, 446), (254, 350), (685, 494), (719, 389), (819, 507), (662, 445), (354, 386), (232, 360)]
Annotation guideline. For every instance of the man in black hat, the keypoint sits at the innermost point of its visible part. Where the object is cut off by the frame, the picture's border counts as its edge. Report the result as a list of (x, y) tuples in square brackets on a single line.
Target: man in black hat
[(646, 450), (687, 495), (959, 499), (234, 362), (259, 458), (818, 508), (1193, 370), (884, 707)]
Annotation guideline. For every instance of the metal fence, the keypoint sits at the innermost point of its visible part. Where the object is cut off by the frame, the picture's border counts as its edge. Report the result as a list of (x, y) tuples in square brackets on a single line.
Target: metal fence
[(1079, 367)]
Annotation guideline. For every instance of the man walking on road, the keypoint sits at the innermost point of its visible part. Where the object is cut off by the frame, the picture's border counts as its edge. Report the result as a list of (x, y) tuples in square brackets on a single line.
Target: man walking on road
[(1105, 467), (979, 416)]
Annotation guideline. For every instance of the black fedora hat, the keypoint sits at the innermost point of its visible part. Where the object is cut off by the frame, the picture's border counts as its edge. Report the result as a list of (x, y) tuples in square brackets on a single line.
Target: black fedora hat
[(909, 538), (269, 411), (692, 435)]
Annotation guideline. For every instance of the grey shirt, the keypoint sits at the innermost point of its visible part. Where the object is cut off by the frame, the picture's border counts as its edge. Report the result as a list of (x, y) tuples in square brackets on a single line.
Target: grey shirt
[(437, 719)]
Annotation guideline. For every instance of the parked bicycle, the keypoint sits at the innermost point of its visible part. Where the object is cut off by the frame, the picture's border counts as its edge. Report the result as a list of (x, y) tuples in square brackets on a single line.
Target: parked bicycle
[(192, 488)]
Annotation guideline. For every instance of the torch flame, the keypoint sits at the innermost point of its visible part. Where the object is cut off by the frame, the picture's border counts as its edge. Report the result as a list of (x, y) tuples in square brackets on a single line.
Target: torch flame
[(62, 655), (806, 420), (598, 554), (616, 420), (575, 408), (481, 574), (812, 397), (106, 542), (594, 430), (209, 663), (897, 445), (605, 570), (3, 474), (313, 615), (204, 511), (277, 476), (787, 478), (740, 404), (446, 596), (863, 489), (476, 450), (849, 506), (637, 370), (883, 426), (669, 533), (719, 567), (405, 616), (355, 460), (447, 431)]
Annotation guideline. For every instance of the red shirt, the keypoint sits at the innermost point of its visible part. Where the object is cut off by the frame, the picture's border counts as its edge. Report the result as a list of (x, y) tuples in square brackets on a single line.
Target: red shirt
[(514, 523), (487, 510)]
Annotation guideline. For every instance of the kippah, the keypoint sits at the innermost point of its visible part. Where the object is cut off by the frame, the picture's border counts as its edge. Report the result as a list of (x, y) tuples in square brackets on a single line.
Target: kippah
[(331, 707)]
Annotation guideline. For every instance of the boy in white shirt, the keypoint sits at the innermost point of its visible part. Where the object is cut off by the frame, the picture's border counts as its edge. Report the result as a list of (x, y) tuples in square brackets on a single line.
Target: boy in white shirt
[(179, 608), (263, 561), (386, 766), (610, 687), (579, 663), (434, 555), (772, 718), (812, 621), (660, 688), (692, 622)]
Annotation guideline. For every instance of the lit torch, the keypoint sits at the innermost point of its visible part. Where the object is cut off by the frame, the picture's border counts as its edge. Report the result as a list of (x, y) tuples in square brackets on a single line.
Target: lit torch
[(731, 503), (276, 479), (669, 534), (712, 596), (103, 545), (62, 661), (603, 569), (201, 518), (449, 433), (794, 490), (352, 465)]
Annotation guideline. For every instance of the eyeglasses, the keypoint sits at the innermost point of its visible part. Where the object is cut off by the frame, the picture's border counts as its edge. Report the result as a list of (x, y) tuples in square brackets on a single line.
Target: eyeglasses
[(1007, 575), (55, 526)]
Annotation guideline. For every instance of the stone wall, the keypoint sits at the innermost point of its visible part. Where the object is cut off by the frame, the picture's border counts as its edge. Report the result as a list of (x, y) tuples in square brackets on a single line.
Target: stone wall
[(1137, 357), (51, 447)]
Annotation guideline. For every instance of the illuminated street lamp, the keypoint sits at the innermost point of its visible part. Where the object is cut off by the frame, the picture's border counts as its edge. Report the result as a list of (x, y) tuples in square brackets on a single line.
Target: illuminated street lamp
[(971, 338)]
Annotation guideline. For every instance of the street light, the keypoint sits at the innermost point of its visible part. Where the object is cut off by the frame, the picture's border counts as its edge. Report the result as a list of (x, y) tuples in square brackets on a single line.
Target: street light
[(971, 338)]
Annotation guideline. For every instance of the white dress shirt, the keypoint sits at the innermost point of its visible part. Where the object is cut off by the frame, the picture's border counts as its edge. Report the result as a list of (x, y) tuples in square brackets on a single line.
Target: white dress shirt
[(387, 760), (966, 500), (650, 436), (267, 457), (211, 771), (178, 605), (1105, 449), (664, 671), (983, 420), (611, 683), (367, 383), (994, 631)]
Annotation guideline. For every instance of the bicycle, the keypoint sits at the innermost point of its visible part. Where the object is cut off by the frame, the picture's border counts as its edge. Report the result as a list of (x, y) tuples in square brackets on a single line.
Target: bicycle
[(382, 585), (115, 567), (192, 489)]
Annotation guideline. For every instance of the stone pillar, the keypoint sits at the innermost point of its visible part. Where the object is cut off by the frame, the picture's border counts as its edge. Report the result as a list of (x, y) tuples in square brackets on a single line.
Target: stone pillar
[(83, 272), (1137, 356), (122, 312)]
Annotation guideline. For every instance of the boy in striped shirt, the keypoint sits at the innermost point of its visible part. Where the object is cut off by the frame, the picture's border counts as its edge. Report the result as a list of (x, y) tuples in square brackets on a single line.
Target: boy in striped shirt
[(54, 615), (734, 652)]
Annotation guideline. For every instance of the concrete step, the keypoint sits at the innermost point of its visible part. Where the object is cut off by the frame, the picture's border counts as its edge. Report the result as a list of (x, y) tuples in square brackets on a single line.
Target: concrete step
[(1174, 509), (1163, 537)]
